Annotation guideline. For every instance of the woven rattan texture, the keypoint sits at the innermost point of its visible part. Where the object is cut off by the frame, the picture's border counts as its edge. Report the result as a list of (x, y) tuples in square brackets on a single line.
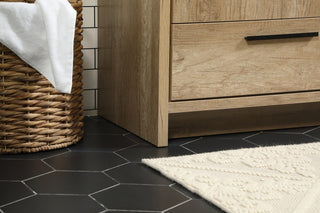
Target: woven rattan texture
[(34, 116)]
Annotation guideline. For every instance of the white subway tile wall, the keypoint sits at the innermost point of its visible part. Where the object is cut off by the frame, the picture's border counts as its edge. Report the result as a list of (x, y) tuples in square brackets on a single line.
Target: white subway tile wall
[(90, 57)]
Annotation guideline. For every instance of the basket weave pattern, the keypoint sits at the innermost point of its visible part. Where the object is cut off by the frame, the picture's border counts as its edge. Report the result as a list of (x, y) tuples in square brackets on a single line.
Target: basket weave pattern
[(34, 116)]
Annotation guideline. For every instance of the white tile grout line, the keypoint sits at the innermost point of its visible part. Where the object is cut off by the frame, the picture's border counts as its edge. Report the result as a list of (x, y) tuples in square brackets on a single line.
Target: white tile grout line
[(191, 141), (143, 184), (16, 201), (127, 210), (251, 142), (310, 136), (105, 189), (245, 138), (106, 170), (48, 165), (177, 205), (111, 178), (115, 152), (177, 190), (131, 139), (63, 194), (29, 187), (52, 156), (100, 204), (78, 171), (30, 178), (189, 150), (11, 181), (310, 130), (133, 145)]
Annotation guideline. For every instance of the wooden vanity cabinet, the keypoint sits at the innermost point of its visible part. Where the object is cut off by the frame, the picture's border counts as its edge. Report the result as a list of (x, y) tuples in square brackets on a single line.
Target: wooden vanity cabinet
[(183, 68)]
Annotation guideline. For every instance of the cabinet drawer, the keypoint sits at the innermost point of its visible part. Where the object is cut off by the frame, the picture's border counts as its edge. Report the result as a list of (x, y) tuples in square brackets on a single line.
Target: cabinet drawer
[(187, 11), (214, 60)]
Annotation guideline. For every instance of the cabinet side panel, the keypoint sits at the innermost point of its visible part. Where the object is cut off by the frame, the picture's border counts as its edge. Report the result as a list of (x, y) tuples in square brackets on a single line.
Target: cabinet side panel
[(134, 66)]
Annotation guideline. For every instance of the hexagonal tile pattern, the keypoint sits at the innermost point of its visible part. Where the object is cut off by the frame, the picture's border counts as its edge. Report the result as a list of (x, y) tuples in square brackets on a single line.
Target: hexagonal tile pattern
[(136, 153), (196, 206), (89, 161), (140, 198), (102, 143), (98, 166), (12, 191), (217, 143), (54, 204), (35, 156), (185, 191), (314, 133), (21, 169), (98, 125), (70, 183), (271, 139), (137, 173), (130, 212)]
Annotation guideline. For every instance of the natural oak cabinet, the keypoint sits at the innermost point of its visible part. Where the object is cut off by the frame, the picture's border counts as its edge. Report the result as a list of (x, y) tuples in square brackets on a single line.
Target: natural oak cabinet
[(186, 11), (183, 68), (214, 60)]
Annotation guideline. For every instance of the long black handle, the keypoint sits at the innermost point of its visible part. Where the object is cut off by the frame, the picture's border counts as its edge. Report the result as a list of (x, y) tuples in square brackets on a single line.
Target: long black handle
[(282, 36)]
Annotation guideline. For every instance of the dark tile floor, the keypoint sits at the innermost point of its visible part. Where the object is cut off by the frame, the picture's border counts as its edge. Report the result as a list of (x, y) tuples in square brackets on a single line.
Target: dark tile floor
[(103, 172)]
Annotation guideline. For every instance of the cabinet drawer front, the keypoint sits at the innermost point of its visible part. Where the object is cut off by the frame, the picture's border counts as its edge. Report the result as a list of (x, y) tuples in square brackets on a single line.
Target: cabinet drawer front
[(214, 60), (186, 11)]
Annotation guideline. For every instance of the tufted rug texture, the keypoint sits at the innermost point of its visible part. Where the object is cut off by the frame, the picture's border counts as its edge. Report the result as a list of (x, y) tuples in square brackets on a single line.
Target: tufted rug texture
[(280, 179)]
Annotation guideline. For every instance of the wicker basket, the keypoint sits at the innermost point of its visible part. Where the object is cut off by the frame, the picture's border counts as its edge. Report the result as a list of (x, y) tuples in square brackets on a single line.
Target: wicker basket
[(34, 116)]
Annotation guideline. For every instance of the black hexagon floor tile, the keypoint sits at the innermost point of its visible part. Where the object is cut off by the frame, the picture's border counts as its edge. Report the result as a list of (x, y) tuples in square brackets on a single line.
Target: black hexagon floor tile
[(217, 143), (103, 143), (195, 206), (185, 191), (136, 153), (89, 161), (12, 191), (314, 133), (271, 139), (139, 197), (21, 169), (70, 183), (181, 141), (36, 155), (137, 173), (98, 125), (131, 212), (54, 204)]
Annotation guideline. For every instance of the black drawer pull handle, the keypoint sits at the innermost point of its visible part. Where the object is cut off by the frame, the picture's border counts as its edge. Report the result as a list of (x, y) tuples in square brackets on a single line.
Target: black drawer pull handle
[(282, 36)]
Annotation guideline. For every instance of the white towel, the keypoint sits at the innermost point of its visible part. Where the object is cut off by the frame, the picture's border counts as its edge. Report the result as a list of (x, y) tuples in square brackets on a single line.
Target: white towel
[(42, 35)]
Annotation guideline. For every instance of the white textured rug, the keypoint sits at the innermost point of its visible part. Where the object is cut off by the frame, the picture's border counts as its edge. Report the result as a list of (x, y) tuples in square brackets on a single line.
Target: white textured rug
[(281, 179)]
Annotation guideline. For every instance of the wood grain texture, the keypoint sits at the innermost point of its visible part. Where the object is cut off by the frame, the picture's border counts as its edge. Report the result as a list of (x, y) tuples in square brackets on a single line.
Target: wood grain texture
[(243, 102), (214, 60), (186, 11), (134, 66), (243, 120)]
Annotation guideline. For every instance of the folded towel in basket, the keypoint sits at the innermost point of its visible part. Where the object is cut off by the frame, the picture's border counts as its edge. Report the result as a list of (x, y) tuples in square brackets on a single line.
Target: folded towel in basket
[(41, 34)]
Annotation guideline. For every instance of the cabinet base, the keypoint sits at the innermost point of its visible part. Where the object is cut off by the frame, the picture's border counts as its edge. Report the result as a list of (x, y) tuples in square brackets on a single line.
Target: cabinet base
[(243, 120)]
